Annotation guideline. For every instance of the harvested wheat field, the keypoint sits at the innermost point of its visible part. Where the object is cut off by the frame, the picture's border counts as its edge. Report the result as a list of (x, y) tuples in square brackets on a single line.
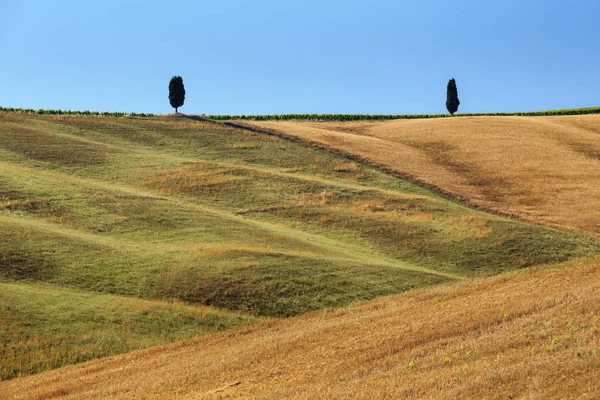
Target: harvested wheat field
[(541, 169), (529, 334)]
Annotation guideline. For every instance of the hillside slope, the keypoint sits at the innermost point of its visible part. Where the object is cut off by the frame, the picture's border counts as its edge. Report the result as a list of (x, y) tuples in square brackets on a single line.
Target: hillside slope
[(533, 334), (542, 169), (188, 211)]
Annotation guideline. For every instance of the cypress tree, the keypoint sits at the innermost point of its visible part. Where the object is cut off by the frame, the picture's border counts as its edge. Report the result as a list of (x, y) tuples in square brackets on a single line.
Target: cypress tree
[(176, 92), (452, 101)]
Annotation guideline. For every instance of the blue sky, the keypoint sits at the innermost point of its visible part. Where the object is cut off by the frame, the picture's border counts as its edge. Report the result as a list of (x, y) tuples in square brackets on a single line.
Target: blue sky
[(266, 57)]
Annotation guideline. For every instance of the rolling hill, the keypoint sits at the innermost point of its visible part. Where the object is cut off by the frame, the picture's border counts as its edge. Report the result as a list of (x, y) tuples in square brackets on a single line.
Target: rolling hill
[(125, 233)]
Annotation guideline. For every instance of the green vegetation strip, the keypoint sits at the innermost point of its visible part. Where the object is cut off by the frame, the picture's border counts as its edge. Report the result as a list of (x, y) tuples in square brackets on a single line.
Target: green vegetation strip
[(70, 112), (378, 117), (313, 117)]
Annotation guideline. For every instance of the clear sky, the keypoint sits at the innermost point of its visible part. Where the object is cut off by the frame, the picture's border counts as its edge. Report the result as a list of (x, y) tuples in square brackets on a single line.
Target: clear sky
[(266, 57)]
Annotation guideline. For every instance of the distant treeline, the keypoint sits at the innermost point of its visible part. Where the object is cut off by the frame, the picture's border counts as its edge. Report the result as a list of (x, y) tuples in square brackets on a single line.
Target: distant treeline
[(314, 117), (375, 117), (69, 112)]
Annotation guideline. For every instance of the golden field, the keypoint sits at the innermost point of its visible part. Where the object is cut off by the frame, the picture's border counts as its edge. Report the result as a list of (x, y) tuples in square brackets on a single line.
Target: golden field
[(534, 334), (540, 169)]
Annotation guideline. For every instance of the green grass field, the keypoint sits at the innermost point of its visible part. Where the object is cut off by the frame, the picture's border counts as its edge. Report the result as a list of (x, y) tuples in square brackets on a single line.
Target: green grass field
[(103, 217)]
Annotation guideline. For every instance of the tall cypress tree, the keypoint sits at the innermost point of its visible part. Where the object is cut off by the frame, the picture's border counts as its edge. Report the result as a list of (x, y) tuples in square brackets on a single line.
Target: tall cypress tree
[(176, 92), (452, 101)]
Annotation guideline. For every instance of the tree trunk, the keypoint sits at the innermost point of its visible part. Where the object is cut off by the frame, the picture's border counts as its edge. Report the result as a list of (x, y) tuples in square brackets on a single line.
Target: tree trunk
[(176, 110)]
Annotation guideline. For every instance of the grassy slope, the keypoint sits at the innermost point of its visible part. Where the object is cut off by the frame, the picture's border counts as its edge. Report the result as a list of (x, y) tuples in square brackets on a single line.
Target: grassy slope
[(46, 327), (216, 216), (532, 334), (542, 169)]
